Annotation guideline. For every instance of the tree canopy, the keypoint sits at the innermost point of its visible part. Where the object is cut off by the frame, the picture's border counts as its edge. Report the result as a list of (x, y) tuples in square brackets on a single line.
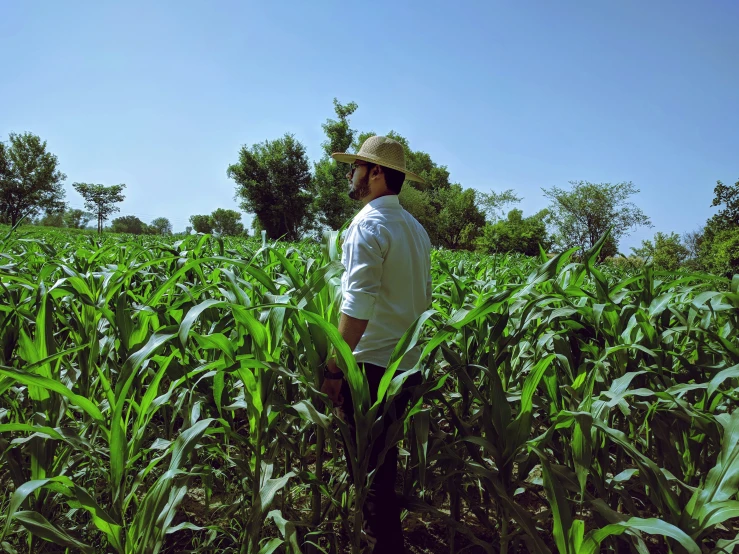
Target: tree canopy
[(52, 219), (221, 221), (77, 219), (331, 203), (101, 200), (273, 182), (289, 197), (727, 198), (128, 224), (459, 220), (666, 252), (161, 226), (30, 179), (202, 223), (718, 244), (227, 222), (516, 233), (584, 213)]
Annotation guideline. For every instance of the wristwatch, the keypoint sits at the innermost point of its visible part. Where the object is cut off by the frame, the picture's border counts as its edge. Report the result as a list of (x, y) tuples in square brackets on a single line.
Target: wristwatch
[(328, 374)]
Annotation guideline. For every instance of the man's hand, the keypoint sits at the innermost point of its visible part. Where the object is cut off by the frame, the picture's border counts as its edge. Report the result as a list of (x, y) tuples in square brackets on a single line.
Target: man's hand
[(332, 387)]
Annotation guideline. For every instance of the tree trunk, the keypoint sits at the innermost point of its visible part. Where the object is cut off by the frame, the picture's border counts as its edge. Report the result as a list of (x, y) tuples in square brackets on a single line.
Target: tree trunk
[(15, 215)]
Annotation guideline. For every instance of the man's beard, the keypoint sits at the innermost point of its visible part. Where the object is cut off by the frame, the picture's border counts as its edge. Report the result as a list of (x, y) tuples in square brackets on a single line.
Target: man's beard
[(362, 190)]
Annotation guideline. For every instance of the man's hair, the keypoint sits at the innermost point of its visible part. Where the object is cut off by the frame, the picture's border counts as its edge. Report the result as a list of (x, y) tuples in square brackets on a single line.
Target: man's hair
[(393, 178)]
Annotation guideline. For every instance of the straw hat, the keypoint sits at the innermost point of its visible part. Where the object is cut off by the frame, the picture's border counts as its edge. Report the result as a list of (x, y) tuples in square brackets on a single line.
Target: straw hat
[(381, 151)]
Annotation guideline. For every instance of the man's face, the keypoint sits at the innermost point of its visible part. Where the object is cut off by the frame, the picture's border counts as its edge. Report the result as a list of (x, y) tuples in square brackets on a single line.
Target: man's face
[(359, 175)]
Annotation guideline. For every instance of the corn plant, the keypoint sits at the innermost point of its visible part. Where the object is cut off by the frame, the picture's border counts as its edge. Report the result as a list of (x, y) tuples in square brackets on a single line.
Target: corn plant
[(163, 394)]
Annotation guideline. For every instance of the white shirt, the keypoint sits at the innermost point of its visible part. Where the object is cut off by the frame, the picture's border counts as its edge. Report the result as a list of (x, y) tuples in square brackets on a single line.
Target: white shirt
[(387, 256)]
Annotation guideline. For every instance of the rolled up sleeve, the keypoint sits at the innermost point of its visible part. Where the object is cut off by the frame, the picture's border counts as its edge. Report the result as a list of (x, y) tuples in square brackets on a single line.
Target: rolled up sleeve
[(363, 257)]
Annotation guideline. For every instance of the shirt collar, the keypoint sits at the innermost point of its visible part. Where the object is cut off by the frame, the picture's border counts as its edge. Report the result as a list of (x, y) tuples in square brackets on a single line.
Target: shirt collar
[(387, 201)]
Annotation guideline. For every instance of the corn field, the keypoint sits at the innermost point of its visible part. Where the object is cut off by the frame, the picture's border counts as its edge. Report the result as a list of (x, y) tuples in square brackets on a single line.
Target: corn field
[(162, 395)]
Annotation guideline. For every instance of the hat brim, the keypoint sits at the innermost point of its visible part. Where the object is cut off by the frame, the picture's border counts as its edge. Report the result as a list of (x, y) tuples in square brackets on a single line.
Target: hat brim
[(343, 157)]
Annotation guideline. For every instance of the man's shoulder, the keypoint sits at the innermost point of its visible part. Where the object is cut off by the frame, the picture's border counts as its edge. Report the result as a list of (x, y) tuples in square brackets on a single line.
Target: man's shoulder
[(418, 227), (384, 224), (364, 228)]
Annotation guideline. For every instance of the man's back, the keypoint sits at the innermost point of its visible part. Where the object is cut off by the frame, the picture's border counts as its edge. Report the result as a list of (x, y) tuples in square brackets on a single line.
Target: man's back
[(387, 256)]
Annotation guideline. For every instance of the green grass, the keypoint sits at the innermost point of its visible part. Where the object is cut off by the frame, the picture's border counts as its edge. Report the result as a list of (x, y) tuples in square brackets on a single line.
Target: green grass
[(162, 395)]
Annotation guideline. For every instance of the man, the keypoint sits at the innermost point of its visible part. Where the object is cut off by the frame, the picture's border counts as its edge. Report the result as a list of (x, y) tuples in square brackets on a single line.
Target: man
[(386, 287)]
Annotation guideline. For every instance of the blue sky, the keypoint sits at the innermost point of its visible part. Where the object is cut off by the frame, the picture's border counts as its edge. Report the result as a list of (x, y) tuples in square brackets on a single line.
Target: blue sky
[(524, 95)]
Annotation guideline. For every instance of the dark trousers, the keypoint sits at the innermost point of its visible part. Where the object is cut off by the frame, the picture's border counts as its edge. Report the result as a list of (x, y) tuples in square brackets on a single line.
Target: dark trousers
[(381, 510)]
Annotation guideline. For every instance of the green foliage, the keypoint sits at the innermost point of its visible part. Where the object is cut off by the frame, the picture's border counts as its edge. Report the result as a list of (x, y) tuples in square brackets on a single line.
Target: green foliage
[(718, 244), (493, 203), (331, 203), (101, 200), (516, 234), (202, 223), (52, 219), (162, 395), (693, 241), (459, 220), (30, 180), (273, 182), (727, 197), (224, 222), (161, 226), (128, 224), (76, 218), (667, 252), (227, 222), (420, 206), (584, 213), (720, 251)]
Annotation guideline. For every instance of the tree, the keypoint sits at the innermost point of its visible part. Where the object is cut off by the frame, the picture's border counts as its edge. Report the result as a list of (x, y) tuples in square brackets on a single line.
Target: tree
[(516, 234), (227, 222), (128, 224), (273, 182), (202, 223), (329, 186), (719, 247), (493, 203), (30, 180), (693, 241), (459, 221), (582, 215), (52, 219), (720, 252), (161, 226), (101, 200), (77, 219), (728, 197), (667, 252), (418, 204), (224, 222)]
